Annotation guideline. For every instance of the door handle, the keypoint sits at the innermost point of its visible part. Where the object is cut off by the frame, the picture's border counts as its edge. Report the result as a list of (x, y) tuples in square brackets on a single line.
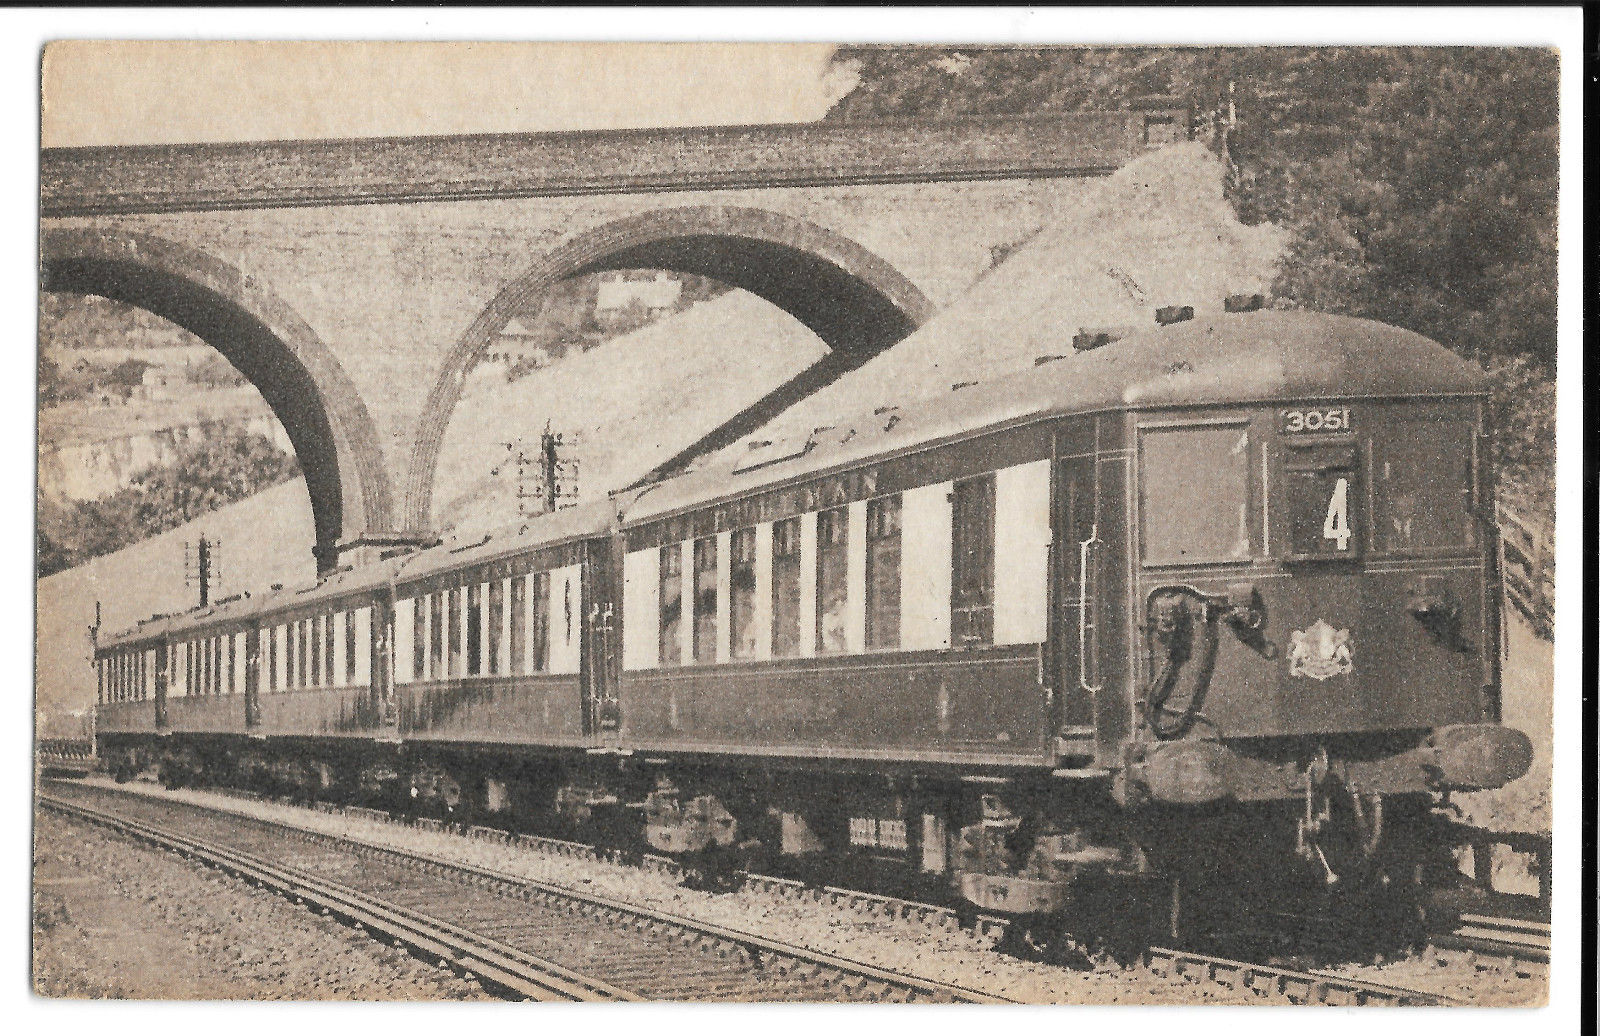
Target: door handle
[(1088, 631)]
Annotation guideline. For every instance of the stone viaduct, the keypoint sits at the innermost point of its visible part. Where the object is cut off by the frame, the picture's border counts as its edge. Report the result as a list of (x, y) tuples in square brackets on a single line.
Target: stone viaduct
[(356, 282)]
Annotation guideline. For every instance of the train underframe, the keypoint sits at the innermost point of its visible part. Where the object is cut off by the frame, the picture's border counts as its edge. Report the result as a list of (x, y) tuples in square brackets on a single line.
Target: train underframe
[(1092, 860)]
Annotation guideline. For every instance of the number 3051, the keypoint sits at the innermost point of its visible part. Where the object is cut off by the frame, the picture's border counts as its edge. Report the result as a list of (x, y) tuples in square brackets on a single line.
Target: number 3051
[(1333, 419)]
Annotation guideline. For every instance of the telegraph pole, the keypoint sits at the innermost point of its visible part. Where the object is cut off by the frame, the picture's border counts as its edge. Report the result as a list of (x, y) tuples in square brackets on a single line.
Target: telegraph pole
[(200, 569), (547, 466), (203, 562), (544, 481)]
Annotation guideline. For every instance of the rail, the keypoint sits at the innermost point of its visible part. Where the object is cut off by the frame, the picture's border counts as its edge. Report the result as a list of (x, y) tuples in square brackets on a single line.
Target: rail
[(65, 755), (770, 956), (1477, 932), (1514, 938), (1300, 987), (497, 965)]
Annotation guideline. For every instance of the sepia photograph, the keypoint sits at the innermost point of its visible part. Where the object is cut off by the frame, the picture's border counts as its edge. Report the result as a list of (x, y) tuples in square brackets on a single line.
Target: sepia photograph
[(1024, 521)]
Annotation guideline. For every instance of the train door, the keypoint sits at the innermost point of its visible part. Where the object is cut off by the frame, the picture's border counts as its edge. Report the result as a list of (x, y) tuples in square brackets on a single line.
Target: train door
[(600, 642), (1089, 611), (163, 654), (1076, 624), (252, 677)]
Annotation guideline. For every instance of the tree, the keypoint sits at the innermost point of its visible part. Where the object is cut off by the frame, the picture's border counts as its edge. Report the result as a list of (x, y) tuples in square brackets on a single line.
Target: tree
[(1418, 184), (213, 474)]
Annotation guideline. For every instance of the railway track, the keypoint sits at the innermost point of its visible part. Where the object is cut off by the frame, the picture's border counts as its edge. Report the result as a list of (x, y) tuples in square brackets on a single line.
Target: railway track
[(1272, 983), (1266, 981), (526, 939), (1513, 938)]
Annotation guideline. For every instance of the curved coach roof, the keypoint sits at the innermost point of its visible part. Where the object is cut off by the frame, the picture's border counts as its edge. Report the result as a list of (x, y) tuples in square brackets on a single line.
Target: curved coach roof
[(582, 522), (585, 521), (1214, 359)]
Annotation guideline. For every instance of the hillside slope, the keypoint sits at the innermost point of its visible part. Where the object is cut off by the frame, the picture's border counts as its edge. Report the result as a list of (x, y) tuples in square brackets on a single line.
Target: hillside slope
[(624, 406), (1159, 233), (265, 539)]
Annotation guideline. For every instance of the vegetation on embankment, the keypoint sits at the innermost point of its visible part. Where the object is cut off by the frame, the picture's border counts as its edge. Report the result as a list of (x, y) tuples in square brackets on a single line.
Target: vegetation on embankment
[(1417, 184), (205, 476)]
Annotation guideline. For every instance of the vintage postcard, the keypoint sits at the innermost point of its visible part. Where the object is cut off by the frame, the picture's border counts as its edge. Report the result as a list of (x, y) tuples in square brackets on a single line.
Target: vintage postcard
[(792, 522)]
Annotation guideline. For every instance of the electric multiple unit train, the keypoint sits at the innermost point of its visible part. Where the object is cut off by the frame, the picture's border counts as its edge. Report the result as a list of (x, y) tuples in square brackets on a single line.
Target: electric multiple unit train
[(1204, 606)]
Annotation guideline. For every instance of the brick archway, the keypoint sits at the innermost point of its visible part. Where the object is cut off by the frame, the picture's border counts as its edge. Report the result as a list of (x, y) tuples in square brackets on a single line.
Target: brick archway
[(300, 379), (856, 302)]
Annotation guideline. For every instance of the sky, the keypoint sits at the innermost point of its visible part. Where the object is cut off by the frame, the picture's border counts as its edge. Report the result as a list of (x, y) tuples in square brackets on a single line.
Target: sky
[(155, 92)]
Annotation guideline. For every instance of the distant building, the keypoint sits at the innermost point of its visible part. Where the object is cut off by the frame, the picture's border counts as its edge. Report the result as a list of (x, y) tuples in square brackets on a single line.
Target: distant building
[(617, 293), (516, 343)]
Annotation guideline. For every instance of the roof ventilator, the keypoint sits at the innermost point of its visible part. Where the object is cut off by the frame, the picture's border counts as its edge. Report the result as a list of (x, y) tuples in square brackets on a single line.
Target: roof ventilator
[(1243, 303), (1174, 314), (1094, 337)]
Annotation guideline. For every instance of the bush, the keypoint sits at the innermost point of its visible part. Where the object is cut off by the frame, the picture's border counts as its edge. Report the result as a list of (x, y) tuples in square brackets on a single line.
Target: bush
[(210, 475)]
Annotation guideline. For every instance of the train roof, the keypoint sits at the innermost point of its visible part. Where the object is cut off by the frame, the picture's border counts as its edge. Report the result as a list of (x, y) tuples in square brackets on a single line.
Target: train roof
[(585, 521), (582, 522), (1215, 359)]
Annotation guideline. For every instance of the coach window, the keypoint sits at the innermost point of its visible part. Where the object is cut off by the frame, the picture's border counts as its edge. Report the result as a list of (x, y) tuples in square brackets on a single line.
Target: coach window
[(742, 594), (497, 618), (833, 588), (327, 648), (452, 650), (436, 635), (1196, 494), (350, 647), (705, 599), (786, 588), (519, 619), (671, 649), (1422, 486), (539, 622), (883, 572), (419, 637), (302, 658), (475, 629), (972, 561), (314, 627)]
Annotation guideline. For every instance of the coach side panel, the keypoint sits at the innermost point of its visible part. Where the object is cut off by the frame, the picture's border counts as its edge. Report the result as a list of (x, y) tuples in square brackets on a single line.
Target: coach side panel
[(893, 612), (492, 653), (125, 690), (315, 671)]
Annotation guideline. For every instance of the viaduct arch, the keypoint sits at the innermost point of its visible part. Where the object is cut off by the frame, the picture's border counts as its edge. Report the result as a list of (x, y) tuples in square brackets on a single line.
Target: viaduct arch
[(298, 376), (856, 302)]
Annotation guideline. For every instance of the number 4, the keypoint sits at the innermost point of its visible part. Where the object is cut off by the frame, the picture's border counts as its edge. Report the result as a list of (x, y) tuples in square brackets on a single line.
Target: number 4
[(1336, 526)]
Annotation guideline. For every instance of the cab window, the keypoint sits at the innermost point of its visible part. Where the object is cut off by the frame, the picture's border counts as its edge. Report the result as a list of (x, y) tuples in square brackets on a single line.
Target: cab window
[(1195, 500), (1422, 486)]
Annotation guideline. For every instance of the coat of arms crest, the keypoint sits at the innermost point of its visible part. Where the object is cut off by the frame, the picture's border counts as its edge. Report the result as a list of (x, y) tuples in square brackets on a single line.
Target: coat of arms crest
[(1320, 651)]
